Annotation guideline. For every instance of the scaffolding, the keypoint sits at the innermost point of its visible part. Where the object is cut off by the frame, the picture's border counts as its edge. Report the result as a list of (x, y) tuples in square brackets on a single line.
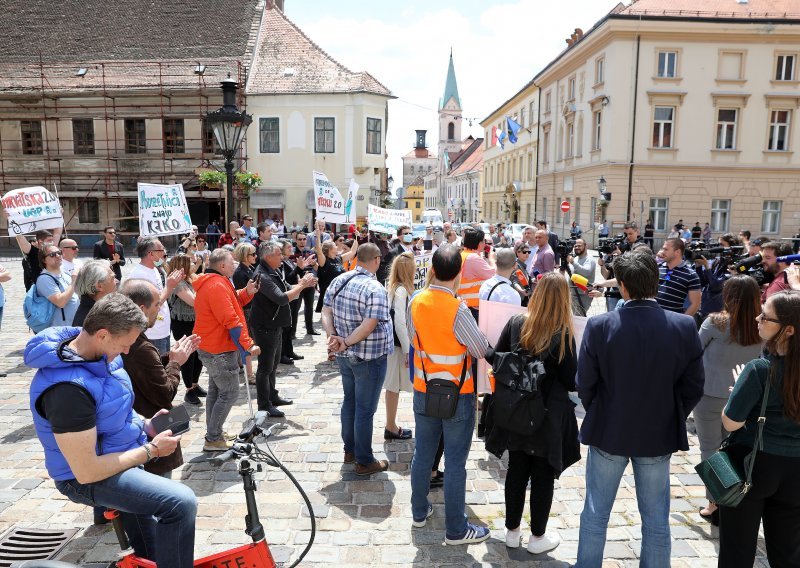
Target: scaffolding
[(101, 169)]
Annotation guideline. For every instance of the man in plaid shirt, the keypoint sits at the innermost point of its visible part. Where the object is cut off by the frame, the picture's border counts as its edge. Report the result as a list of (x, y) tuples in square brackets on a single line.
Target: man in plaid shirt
[(356, 318)]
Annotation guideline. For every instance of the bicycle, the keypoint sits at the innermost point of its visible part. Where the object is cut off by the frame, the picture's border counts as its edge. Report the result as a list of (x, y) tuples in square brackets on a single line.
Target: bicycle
[(254, 555)]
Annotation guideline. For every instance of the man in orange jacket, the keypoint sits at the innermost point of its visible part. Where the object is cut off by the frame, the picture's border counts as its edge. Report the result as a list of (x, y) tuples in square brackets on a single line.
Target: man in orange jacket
[(220, 322)]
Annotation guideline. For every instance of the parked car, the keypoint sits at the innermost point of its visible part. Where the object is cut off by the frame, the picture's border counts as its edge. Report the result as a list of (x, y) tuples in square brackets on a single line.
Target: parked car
[(515, 230)]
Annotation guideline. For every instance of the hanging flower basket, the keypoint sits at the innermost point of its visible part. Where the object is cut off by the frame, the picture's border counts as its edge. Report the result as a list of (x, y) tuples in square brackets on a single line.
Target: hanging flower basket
[(212, 179), (247, 181)]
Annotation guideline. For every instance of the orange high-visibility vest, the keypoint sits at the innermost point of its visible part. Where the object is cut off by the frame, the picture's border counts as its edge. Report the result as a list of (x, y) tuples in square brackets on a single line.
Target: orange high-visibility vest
[(434, 314), (469, 289)]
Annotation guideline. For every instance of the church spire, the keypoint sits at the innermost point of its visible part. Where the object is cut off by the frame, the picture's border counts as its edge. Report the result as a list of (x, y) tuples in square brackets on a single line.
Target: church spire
[(450, 87)]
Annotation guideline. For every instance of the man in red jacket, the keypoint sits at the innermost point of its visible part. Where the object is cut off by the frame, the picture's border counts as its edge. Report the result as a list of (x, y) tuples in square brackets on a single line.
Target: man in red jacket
[(220, 322)]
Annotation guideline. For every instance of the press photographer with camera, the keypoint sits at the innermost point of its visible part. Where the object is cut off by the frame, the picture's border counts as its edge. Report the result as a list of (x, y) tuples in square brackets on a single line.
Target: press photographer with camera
[(712, 267), (610, 248)]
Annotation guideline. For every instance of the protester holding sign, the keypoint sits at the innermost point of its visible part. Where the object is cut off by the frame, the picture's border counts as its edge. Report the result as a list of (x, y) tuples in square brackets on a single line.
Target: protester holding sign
[(163, 210), (56, 286)]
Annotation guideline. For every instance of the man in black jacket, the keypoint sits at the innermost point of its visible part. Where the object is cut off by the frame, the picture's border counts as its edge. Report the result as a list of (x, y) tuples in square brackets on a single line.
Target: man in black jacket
[(110, 250), (269, 314)]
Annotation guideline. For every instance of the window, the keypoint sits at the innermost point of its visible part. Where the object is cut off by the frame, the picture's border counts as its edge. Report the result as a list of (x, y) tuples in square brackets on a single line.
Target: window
[(599, 71), (570, 140), (324, 135), (659, 210), (210, 143), (771, 217), (546, 147), (451, 131), (726, 128), (89, 211), (135, 136), (784, 70), (530, 166), (548, 99), (667, 64), (720, 213), (530, 114), (597, 123), (31, 133), (269, 135), (173, 136), (662, 127), (571, 89), (374, 132), (779, 130), (83, 135), (522, 117), (544, 209)]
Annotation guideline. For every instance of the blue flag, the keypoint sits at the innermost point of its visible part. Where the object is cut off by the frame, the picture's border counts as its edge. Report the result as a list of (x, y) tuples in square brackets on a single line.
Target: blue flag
[(502, 139), (513, 128)]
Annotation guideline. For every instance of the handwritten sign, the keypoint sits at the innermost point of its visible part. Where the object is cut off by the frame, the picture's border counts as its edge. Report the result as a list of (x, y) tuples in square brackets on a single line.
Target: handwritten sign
[(423, 263), (330, 204), (163, 210), (388, 221), (32, 209)]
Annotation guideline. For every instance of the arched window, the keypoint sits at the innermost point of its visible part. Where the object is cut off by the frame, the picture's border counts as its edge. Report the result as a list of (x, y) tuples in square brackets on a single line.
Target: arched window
[(451, 131)]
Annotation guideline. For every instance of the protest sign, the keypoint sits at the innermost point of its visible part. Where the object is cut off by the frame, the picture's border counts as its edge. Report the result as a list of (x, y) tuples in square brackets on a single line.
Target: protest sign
[(423, 263), (330, 204), (163, 210), (388, 221), (32, 209)]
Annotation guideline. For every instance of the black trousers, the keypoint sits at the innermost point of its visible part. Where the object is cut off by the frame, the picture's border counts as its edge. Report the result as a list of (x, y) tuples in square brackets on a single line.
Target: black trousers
[(774, 499), (289, 331), (269, 341), (190, 371), (307, 296), (521, 468)]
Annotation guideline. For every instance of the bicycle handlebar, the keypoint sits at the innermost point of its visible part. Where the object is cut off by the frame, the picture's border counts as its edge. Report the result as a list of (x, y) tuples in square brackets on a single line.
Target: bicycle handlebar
[(241, 447)]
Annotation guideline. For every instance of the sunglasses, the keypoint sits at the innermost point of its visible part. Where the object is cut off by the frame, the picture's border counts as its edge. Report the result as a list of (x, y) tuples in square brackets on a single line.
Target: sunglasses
[(763, 317), (54, 254), (525, 252), (111, 232)]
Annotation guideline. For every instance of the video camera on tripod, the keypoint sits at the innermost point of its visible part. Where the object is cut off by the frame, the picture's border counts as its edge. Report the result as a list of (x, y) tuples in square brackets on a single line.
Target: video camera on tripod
[(564, 249), (698, 249), (607, 245)]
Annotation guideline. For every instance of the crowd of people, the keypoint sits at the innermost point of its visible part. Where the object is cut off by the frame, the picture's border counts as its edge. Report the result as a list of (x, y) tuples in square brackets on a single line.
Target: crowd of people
[(117, 350)]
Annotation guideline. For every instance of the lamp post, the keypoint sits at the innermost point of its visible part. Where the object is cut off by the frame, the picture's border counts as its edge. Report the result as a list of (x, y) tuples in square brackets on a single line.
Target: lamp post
[(229, 124)]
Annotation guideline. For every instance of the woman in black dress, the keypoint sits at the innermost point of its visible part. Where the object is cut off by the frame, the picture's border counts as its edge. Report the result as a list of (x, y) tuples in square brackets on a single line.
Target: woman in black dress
[(331, 264)]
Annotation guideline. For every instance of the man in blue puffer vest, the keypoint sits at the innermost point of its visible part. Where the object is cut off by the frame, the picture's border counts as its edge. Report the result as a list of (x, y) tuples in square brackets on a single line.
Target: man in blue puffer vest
[(95, 444)]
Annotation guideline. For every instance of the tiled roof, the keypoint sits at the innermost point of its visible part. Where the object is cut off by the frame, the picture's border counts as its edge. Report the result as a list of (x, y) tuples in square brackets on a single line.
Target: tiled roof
[(470, 159), (103, 30), (289, 62), (753, 9), (419, 153)]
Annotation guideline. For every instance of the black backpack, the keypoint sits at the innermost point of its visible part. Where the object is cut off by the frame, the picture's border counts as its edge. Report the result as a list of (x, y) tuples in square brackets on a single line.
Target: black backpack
[(518, 404)]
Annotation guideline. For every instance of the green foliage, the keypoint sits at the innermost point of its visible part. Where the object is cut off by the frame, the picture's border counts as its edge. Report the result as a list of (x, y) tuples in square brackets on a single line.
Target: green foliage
[(212, 178)]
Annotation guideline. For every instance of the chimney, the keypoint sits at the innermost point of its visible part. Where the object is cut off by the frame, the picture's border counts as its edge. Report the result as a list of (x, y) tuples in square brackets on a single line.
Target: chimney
[(570, 42), (275, 4), (420, 139), (578, 33)]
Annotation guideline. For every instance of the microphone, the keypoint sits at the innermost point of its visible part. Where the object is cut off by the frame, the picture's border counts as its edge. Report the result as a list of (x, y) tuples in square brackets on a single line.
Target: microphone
[(746, 264), (580, 282), (789, 258)]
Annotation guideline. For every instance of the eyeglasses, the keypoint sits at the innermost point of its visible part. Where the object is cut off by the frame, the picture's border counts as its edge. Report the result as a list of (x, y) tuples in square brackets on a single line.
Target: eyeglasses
[(54, 254), (159, 250), (111, 232), (763, 317)]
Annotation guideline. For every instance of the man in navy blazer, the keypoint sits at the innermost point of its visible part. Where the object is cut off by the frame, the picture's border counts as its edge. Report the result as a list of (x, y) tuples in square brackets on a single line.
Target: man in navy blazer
[(640, 374), (108, 248)]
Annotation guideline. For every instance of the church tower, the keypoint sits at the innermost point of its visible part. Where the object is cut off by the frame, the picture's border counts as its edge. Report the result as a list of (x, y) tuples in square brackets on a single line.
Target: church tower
[(450, 118)]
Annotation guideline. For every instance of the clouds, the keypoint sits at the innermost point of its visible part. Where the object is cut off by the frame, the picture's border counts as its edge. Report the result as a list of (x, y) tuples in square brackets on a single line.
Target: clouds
[(497, 49)]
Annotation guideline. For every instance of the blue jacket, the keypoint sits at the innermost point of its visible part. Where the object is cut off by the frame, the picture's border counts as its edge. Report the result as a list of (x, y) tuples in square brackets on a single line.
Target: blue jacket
[(640, 374), (119, 428)]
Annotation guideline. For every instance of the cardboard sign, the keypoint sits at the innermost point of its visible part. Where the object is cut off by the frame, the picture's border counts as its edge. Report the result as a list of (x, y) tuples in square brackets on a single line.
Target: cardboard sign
[(330, 204), (32, 209), (387, 221), (163, 210), (423, 263)]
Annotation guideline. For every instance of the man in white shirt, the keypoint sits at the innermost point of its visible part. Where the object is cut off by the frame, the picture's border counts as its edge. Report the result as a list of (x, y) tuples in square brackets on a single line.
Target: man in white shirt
[(498, 288), (151, 254), (279, 229), (528, 234), (69, 257)]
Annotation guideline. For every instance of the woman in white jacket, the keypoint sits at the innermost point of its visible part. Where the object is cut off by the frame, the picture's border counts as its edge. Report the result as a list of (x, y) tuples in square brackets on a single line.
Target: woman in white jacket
[(400, 286)]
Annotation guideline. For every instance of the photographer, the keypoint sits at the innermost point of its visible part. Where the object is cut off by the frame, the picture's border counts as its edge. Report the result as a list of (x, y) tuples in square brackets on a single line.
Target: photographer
[(631, 241), (713, 276), (584, 265)]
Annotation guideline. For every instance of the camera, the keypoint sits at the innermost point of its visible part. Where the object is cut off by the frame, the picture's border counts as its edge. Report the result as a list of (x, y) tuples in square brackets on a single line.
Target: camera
[(607, 245), (563, 248)]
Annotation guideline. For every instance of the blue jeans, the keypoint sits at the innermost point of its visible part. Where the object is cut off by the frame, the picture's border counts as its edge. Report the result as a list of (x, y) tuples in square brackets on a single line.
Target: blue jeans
[(603, 474), (457, 441), (362, 382), (161, 344), (158, 514)]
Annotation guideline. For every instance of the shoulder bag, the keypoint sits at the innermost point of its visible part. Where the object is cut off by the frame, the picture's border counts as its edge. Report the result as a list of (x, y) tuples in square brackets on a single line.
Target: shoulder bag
[(441, 395), (722, 477)]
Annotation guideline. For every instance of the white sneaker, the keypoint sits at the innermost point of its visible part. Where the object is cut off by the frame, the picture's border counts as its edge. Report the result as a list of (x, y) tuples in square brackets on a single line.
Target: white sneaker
[(513, 538), (544, 543)]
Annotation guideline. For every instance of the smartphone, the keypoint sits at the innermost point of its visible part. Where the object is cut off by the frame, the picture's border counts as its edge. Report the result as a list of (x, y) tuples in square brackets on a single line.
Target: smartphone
[(177, 420), (257, 279), (427, 245)]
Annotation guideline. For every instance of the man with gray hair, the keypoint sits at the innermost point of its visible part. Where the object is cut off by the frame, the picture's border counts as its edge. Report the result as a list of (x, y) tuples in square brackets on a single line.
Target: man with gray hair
[(499, 288), (95, 280)]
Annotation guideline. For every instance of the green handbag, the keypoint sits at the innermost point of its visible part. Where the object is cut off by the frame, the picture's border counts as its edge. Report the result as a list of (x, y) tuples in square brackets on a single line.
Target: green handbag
[(724, 479)]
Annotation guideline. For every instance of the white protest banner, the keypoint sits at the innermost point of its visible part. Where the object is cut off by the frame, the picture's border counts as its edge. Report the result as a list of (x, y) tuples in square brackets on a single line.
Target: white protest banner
[(387, 220), (331, 206), (423, 262), (31, 209), (163, 210)]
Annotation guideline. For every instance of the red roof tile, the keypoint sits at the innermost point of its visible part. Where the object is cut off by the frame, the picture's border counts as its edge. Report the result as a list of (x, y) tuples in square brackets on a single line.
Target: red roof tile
[(754, 9)]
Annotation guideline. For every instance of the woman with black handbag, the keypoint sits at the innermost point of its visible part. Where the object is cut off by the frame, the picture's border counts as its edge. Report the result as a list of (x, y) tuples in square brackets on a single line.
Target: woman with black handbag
[(774, 496), (545, 334)]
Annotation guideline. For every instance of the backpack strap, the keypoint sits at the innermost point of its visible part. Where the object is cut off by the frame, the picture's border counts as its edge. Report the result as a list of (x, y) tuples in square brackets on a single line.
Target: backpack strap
[(63, 315)]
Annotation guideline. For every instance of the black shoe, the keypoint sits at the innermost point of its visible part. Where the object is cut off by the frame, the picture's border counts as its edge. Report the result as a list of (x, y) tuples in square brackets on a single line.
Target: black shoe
[(274, 412), (201, 392), (713, 518), (297, 357), (286, 360), (282, 402), (401, 434), (437, 480), (481, 430), (191, 397), (312, 332)]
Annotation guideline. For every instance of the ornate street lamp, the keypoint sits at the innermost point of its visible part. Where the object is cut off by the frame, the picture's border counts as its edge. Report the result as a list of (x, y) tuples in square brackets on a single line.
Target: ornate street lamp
[(229, 124)]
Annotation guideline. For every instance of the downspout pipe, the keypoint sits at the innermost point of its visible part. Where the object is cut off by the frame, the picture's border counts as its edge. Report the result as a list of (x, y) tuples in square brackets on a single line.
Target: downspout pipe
[(633, 131)]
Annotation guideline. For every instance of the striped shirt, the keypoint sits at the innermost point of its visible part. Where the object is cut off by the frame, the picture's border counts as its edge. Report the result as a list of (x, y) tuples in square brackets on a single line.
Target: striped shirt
[(362, 297), (674, 285)]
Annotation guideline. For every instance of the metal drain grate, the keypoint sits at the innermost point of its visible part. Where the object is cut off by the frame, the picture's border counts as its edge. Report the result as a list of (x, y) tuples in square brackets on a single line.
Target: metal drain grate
[(19, 545)]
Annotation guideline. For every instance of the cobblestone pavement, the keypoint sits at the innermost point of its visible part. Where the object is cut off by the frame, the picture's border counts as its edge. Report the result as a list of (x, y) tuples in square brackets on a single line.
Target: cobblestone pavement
[(360, 522)]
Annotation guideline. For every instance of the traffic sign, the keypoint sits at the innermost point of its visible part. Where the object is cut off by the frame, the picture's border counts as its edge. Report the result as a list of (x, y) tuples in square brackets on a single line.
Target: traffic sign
[(565, 206)]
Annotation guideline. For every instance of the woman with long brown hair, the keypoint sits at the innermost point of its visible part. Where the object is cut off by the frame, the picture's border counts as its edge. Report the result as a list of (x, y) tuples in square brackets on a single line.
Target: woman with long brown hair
[(729, 338), (182, 316), (544, 331), (774, 496)]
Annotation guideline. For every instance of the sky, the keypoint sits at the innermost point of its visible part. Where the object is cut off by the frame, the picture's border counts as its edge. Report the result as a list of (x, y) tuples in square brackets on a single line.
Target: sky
[(498, 47)]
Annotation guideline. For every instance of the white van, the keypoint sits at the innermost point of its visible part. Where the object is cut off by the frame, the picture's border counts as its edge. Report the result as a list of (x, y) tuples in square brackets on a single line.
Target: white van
[(432, 217)]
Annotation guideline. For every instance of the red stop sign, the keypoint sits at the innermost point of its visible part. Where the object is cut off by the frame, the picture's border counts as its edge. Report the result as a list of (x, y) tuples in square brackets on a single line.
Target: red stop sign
[(565, 206)]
